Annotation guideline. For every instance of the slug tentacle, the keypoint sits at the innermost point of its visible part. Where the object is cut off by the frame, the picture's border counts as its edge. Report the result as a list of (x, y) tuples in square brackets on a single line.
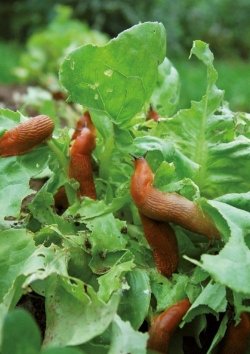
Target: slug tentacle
[(164, 325), (25, 136)]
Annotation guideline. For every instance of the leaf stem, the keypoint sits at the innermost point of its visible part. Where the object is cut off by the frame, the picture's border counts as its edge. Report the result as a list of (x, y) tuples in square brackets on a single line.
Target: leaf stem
[(105, 159), (63, 162)]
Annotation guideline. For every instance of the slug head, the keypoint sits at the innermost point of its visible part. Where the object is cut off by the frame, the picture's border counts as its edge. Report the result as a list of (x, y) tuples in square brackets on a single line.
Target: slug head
[(142, 178), (84, 144)]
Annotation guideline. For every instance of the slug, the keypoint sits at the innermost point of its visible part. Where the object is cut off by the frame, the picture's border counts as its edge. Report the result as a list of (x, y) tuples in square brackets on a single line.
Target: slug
[(80, 167), (26, 136), (168, 207), (162, 240), (84, 122), (237, 338), (164, 325), (152, 114)]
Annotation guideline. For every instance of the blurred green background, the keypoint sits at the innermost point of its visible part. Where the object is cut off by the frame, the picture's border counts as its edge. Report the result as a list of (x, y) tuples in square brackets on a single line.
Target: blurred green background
[(34, 35)]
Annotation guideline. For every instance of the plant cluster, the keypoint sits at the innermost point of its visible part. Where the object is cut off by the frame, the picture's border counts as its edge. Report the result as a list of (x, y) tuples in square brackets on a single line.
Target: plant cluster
[(101, 281)]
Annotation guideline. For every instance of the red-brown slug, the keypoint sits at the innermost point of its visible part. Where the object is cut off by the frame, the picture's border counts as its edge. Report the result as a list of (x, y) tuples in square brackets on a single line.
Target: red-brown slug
[(237, 338), (80, 166), (164, 325), (167, 207), (84, 122), (25, 136), (162, 240)]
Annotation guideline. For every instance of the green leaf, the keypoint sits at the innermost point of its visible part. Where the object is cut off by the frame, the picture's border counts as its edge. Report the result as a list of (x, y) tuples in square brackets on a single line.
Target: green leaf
[(236, 253), (94, 348), (106, 233), (20, 334), (238, 200), (211, 299), (230, 266), (16, 247), (237, 220), (113, 279), (42, 209), (168, 292), (125, 339), (9, 119), (21, 258), (62, 351), (135, 300), (101, 262), (148, 144), (74, 312), (16, 173), (107, 78), (10, 300), (165, 97), (206, 133)]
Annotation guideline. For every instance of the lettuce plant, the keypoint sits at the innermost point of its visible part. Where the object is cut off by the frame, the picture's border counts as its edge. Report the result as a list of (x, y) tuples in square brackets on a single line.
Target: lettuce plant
[(92, 265)]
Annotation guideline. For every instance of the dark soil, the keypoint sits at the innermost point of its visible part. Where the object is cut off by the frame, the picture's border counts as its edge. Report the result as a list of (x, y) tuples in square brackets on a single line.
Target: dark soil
[(35, 305)]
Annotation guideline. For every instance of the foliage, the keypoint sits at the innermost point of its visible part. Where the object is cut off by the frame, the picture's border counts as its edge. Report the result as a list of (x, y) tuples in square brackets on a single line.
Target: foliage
[(92, 264), (10, 54), (47, 48), (224, 24), (232, 79)]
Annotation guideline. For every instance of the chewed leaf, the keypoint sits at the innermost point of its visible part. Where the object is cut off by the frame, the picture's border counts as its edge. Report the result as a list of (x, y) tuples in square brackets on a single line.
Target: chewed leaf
[(87, 316), (165, 97), (119, 77), (16, 172)]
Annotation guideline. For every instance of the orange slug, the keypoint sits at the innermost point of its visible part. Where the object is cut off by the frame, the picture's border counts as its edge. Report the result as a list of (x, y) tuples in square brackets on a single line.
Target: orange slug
[(162, 240), (61, 200), (80, 166), (152, 114), (26, 136), (84, 122), (164, 325), (168, 207), (237, 338)]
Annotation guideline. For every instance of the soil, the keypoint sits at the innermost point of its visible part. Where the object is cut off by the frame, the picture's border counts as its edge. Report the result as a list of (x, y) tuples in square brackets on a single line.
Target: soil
[(10, 95)]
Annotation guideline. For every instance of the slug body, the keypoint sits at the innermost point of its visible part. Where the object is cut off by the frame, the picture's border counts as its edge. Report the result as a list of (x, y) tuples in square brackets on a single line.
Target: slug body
[(164, 325), (162, 240), (80, 167), (25, 136), (168, 207), (84, 122), (237, 338), (152, 114)]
